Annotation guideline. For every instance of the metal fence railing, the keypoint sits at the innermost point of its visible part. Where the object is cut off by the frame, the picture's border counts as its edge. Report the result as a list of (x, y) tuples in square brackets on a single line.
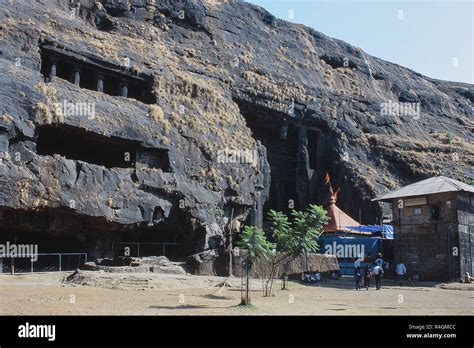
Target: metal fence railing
[(45, 262), (60, 262), (142, 249)]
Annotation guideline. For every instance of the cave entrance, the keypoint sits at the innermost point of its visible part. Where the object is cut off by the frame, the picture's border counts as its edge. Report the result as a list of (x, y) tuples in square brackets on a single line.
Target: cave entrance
[(292, 155), (63, 240), (61, 231), (175, 237), (110, 152), (282, 152)]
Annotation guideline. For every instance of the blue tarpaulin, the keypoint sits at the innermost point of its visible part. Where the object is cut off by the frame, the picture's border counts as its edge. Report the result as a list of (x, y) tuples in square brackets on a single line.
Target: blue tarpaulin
[(371, 245), (347, 249)]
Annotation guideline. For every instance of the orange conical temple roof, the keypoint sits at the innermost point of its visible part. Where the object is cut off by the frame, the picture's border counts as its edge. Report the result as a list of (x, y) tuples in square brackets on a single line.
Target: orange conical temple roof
[(337, 218)]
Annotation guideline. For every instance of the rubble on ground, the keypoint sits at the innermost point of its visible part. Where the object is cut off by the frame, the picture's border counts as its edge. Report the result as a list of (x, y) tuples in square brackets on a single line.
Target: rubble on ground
[(124, 264)]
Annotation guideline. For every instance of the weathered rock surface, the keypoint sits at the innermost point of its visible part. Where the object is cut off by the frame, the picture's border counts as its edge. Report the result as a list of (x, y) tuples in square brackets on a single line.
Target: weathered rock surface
[(136, 281), (214, 66), (158, 264)]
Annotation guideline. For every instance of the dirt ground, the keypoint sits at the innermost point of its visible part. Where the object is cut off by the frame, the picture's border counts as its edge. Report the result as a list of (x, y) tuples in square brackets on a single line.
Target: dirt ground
[(154, 294)]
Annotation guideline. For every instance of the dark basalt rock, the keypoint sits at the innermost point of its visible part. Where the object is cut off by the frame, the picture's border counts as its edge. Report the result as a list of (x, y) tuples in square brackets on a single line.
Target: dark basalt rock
[(225, 74)]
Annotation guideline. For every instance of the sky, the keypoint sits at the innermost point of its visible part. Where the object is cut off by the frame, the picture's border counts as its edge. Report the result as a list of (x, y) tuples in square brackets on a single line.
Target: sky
[(432, 37)]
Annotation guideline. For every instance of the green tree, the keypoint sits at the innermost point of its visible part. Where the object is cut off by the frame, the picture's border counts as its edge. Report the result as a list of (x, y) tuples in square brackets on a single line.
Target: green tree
[(253, 239), (294, 238), (307, 226)]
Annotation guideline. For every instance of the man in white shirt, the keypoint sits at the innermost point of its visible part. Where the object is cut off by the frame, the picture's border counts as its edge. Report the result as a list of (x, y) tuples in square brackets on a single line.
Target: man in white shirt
[(357, 263), (401, 271), (377, 272)]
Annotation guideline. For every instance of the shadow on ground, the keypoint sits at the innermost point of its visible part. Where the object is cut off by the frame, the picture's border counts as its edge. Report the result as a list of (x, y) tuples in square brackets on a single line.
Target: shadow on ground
[(218, 297), (348, 283), (182, 307)]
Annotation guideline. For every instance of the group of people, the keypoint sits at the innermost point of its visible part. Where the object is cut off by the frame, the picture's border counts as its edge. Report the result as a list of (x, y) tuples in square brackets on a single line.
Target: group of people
[(376, 272), (310, 277)]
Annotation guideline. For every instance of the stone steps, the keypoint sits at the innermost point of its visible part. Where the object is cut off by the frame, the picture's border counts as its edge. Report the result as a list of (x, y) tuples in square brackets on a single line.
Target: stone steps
[(135, 284)]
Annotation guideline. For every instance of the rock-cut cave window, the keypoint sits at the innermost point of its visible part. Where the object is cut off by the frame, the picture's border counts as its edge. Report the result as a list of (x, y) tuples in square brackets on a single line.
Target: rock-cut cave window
[(96, 76), (111, 152)]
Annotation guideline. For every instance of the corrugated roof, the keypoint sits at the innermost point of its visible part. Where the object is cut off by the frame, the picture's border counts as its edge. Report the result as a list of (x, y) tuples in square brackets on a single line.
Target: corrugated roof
[(432, 185)]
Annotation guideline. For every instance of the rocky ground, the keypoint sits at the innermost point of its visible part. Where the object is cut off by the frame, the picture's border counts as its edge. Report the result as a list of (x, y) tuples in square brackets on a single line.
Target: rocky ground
[(100, 293)]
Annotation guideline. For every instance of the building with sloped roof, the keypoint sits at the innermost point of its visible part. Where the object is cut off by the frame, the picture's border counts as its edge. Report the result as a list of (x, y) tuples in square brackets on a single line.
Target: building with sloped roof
[(433, 223)]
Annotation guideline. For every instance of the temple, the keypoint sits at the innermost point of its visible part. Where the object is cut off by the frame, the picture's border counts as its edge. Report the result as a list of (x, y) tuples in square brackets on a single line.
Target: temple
[(338, 220)]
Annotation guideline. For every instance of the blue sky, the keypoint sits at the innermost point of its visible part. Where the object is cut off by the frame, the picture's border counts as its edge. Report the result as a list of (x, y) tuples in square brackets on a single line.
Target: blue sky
[(434, 38)]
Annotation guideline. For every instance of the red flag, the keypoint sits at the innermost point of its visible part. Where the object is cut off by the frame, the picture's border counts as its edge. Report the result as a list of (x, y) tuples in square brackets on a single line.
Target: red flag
[(327, 180)]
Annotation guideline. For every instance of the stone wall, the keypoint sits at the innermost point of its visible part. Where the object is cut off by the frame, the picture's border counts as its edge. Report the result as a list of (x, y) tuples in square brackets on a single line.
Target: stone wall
[(216, 262), (465, 212), (427, 245)]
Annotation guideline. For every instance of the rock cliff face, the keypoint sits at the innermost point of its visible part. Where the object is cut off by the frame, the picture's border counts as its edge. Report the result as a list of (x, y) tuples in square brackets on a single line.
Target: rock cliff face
[(162, 120)]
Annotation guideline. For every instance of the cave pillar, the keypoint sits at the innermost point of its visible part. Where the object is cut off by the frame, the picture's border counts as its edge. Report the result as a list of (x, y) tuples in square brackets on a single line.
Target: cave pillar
[(278, 190), (76, 75), (53, 68), (100, 83), (303, 168), (124, 89), (256, 214), (284, 130)]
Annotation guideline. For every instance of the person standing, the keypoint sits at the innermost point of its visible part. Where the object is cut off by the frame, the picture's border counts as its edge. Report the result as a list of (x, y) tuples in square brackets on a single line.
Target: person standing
[(377, 272), (367, 276), (357, 277), (401, 271)]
